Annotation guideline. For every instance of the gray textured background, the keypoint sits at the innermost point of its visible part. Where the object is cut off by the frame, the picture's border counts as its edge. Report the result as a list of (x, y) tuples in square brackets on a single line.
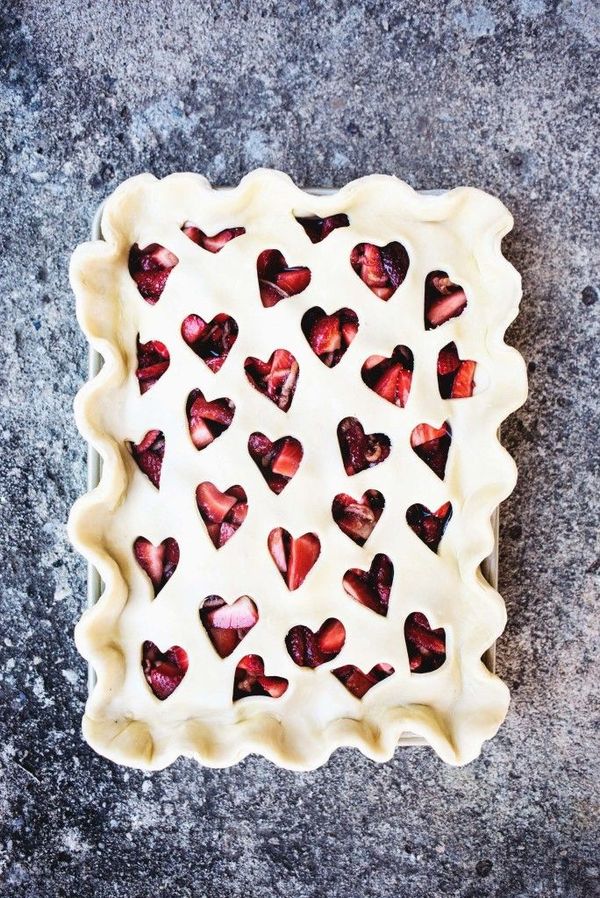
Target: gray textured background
[(499, 95)]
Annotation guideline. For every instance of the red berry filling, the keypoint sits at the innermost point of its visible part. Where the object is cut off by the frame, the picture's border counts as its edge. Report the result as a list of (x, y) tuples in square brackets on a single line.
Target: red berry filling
[(382, 268), (150, 268), (207, 420), (276, 281), (164, 671), (278, 461), (359, 683), (149, 455), (310, 649), (390, 377), (223, 513), (432, 445), (211, 340), (426, 647), (371, 588), (357, 518), (429, 525), (443, 299), (212, 244), (158, 562), (329, 336), (153, 360), (250, 679), (294, 558), (225, 624), (361, 450), (456, 377), (318, 229), (275, 379)]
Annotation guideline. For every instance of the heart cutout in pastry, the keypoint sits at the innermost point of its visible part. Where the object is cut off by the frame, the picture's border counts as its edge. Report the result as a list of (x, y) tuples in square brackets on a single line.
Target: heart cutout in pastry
[(150, 269), (308, 649), (212, 244), (318, 229), (227, 624), (277, 461), (359, 683), (223, 513), (329, 336), (163, 671), (357, 517), (426, 647), (275, 379), (153, 360), (443, 299), (250, 679), (432, 445), (212, 340), (158, 562), (207, 419), (390, 377), (149, 454), (371, 588), (429, 525), (294, 558), (276, 280), (381, 268), (456, 377), (361, 450)]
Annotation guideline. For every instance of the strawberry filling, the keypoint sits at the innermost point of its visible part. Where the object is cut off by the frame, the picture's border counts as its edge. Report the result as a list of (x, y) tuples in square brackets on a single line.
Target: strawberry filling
[(278, 461), (432, 445), (276, 281), (164, 671), (429, 525), (381, 268), (212, 244), (150, 268), (318, 229), (207, 420), (149, 455), (226, 625), (371, 588), (329, 336), (294, 558), (390, 377), (223, 513), (456, 377), (275, 379), (250, 679), (361, 450), (357, 518), (153, 360), (359, 683), (443, 299), (212, 340), (426, 647), (310, 649), (158, 562)]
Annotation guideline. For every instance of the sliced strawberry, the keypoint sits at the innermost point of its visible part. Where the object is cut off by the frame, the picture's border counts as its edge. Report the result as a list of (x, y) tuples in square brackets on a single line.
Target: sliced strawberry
[(448, 360), (357, 519), (223, 513), (443, 299), (429, 525), (278, 461), (310, 649), (277, 281), (225, 624), (275, 379), (329, 336), (250, 679), (359, 683), (456, 377), (153, 360), (390, 377), (210, 341), (149, 455), (294, 558), (150, 268), (360, 450), (371, 588), (164, 671), (432, 445), (211, 244), (159, 562), (426, 647), (207, 420), (318, 229), (382, 268), (464, 381)]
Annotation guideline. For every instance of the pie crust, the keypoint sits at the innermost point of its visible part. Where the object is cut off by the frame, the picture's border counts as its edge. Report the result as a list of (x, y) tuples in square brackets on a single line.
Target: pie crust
[(454, 708)]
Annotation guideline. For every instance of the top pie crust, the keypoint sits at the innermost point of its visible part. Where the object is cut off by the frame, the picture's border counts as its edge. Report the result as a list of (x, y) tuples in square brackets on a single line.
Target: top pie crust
[(456, 707)]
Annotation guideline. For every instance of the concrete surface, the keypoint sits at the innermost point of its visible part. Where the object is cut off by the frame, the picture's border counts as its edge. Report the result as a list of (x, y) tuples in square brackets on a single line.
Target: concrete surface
[(499, 95)]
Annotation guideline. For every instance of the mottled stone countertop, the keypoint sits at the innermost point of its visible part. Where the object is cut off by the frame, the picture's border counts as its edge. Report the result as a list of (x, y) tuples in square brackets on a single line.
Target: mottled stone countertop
[(501, 95)]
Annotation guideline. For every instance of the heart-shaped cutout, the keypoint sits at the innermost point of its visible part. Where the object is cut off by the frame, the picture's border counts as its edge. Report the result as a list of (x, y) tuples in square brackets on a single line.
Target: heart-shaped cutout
[(153, 360), (294, 558), (318, 229), (158, 562), (149, 455), (359, 683), (211, 244), (223, 513), (456, 377), (207, 420), (390, 377), (150, 268), (432, 445), (371, 588), (426, 647), (278, 461), (226, 625), (275, 379), (163, 671), (250, 679), (308, 649), (276, 280), (361, 450), (357, 517), (429, 525), (212, 340), (443, 299), (381, 268), (329, 336)]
